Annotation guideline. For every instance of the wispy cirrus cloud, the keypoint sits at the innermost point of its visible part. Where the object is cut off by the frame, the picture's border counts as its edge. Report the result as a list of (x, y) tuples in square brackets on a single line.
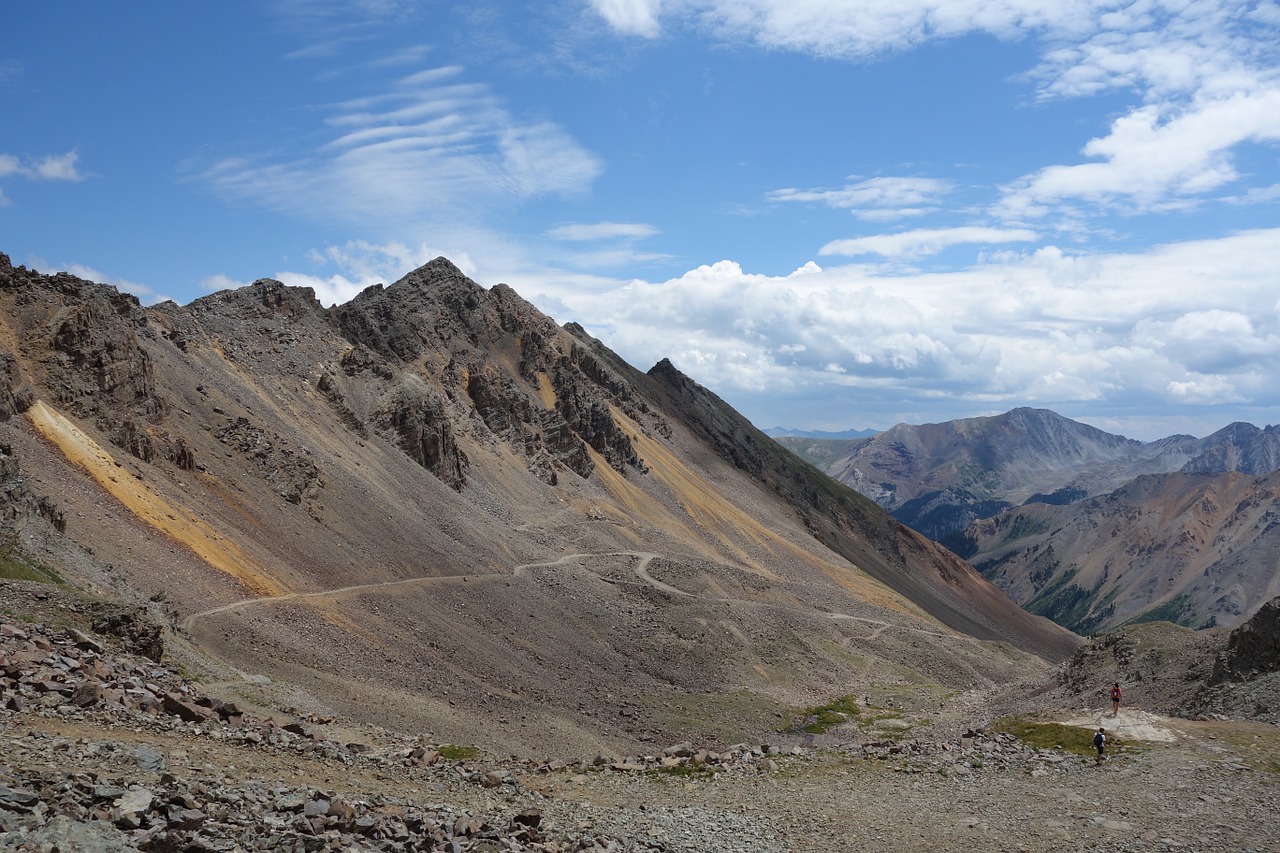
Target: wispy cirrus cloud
[(839, 29), (429, 148), (1153, 156), (905, 245), (620, 239), (602, 231), (874, 199), (1206, 78)]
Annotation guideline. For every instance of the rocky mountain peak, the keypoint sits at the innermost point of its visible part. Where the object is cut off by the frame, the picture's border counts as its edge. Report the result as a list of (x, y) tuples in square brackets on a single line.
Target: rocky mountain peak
[(436, 495), (264, 297)]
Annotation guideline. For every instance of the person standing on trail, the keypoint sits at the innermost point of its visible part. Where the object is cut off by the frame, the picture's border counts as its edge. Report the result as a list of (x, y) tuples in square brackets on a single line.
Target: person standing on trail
[(1115, 699), (1100, 742)]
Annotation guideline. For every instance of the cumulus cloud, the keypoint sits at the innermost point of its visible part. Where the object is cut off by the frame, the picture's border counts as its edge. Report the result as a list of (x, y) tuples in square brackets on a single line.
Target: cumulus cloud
[(430, 149), (1194, 322), (925, 241)]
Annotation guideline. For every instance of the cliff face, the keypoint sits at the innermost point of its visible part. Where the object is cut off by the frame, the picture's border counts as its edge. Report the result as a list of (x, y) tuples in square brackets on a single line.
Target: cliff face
[(431, 506)]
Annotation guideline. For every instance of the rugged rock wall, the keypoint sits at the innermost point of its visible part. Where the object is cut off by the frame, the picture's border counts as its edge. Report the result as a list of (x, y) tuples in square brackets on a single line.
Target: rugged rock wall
[(1253, 649)]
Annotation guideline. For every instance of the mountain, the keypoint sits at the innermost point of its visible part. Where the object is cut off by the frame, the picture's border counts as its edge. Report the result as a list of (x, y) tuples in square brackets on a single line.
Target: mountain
[(821, 453), (787, 432), (938, 477), (1090, 529), (1195, 549), (433, 508)]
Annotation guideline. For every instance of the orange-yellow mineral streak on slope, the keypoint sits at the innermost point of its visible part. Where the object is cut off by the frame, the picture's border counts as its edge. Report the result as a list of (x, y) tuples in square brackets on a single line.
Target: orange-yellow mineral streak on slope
[(173, 521), (721, 518)]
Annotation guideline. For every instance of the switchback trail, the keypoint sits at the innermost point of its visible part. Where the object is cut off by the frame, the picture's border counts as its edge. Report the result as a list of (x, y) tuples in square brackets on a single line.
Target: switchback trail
[(641, 570)]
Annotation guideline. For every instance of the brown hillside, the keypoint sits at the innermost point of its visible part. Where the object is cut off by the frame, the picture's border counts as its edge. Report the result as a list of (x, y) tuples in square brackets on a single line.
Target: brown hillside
[(433, 508)]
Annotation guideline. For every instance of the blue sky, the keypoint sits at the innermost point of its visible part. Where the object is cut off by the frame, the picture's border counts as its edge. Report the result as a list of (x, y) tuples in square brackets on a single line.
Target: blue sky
[(833, 214)]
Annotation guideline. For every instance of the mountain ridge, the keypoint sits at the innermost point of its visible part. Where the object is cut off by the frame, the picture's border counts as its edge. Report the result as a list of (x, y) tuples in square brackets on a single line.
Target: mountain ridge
[(1019, 493), (435, 497)]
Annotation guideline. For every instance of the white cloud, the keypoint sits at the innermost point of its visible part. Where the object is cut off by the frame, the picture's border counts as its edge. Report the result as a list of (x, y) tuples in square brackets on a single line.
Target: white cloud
[(1204, 76), (428, 150), (602, 231), (145, 293), (1205, 390), (876, 199), (1149, 157), (837, 28), (1193, 322), (924, 241), (57, 168), (632, 17), (360, 264), (214, 283), (52, 167)]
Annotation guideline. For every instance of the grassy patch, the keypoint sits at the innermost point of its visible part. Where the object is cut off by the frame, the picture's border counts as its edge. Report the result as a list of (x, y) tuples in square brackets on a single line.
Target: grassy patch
[(452, 752), (685, 771), (817, 720), (17, 568), (1053, 735)]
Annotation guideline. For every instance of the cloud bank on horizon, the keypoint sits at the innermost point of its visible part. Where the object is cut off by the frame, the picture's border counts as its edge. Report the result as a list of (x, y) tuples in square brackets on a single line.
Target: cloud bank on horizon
[(831, 214)]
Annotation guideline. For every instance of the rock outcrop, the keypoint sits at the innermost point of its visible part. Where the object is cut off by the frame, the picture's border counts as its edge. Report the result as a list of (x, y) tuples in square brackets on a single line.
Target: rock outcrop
[(1253, 649)]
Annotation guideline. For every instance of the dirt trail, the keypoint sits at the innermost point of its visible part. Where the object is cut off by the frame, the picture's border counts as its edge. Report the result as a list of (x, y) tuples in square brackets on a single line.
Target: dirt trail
[(643, 559)]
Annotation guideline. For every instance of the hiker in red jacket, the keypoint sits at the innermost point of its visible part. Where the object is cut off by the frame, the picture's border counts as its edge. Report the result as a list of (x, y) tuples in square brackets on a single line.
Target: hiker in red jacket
[(1115, 699)]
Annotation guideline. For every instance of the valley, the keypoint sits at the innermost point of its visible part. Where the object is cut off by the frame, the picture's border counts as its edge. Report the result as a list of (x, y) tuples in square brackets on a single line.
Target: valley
[(431, 556)]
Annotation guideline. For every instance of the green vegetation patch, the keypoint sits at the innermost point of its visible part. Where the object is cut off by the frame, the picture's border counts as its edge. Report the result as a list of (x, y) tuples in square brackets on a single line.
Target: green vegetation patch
[(1176, 610), (452, 752), (1069, 604), (1053, 735), (684, 771), (817, 720), (14, 567)]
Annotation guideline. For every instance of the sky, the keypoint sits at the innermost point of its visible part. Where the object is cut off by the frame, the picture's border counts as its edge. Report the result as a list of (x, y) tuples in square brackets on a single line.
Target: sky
[(833, 214)]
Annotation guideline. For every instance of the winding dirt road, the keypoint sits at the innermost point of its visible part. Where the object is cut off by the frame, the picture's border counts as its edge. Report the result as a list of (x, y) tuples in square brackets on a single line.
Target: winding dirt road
[(641, 570)]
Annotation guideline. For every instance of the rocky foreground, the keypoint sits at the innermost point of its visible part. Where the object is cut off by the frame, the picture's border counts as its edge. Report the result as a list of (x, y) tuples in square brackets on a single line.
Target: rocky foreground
[(106, 749)]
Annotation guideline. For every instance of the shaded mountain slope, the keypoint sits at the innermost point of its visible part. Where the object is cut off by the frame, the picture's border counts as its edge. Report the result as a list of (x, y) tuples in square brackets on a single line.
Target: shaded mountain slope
[(1197, 549), (854, 527), (433, 508)]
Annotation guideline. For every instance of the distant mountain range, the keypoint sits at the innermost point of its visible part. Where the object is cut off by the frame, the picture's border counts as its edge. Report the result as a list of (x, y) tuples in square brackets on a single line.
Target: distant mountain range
[(1015, 493), (781, 432)]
